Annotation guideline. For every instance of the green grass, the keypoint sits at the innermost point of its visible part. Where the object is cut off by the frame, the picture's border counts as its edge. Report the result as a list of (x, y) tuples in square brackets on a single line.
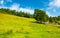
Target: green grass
[(19, 27)]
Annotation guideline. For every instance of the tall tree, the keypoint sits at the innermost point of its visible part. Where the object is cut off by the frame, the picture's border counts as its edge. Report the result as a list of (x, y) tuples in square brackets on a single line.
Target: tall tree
[(40, 15)]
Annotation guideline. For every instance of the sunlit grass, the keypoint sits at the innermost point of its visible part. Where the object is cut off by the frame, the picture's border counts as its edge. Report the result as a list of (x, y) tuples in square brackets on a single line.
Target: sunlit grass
[(19, 27)]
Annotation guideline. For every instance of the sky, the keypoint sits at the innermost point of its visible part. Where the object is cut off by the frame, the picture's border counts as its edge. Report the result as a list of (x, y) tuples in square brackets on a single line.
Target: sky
[(52, 7)]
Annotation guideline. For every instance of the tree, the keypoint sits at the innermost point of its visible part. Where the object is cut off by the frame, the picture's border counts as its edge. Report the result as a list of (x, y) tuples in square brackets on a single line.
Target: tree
[(28, 15), (51, 19), (20, 14), (58, 18), (40, 16)]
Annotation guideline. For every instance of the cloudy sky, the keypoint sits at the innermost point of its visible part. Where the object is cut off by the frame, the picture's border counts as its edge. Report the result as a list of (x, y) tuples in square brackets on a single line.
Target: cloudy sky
[(52, 7)]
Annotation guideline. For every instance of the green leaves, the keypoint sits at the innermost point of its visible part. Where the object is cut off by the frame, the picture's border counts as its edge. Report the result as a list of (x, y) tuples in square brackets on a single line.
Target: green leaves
[(40, 15)]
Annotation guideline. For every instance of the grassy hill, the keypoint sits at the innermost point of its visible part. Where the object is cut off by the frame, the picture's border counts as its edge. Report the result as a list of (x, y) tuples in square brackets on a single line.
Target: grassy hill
[(19, 27)]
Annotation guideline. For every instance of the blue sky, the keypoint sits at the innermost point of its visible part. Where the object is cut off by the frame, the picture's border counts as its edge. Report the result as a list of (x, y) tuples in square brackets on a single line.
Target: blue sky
[(52, 7)]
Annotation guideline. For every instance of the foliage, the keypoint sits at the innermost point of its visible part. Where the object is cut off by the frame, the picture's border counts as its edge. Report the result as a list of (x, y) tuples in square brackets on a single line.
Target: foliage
[(40, 15), (14, 12), (54, 19)]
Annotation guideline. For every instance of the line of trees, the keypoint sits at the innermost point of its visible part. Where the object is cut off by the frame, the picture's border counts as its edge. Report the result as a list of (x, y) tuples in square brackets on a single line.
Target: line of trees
[(39, 15), (14, 12), (55, 20), (42, 17)]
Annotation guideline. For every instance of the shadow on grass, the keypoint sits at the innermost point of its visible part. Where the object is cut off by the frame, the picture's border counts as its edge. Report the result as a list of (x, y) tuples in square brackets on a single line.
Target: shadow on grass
[(5, 34), (8, 32), (27, 35), (36, 22)]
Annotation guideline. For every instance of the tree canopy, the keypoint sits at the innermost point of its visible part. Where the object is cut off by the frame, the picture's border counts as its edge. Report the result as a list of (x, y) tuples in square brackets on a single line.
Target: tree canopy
[(40, 15)]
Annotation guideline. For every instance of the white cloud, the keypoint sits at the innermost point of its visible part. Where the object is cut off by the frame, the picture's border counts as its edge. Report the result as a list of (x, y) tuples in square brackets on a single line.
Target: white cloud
[(48, 13), (3, 7), (15, 6), (18, 8), (2, 2), (27, 10), (55, 3)]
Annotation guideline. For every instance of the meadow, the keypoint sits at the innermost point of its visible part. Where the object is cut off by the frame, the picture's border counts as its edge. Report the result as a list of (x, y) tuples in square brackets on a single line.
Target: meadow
[(19, 27)]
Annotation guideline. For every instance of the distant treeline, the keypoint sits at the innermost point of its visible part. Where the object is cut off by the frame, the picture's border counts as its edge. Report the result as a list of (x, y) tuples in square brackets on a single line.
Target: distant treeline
[(38, 15), (14, 12), (55, 19), (42, 17)]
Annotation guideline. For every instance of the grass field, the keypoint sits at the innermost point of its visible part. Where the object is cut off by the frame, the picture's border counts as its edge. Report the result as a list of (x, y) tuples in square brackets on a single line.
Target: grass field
[(19, 27)]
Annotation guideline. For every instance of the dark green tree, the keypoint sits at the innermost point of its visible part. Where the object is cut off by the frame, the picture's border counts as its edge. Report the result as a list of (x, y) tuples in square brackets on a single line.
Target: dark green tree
[(51, 19), (28, 15), (40, 15)]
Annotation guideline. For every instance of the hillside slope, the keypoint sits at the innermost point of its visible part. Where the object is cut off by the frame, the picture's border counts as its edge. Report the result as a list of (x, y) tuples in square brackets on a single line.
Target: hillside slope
[(19, 27)]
